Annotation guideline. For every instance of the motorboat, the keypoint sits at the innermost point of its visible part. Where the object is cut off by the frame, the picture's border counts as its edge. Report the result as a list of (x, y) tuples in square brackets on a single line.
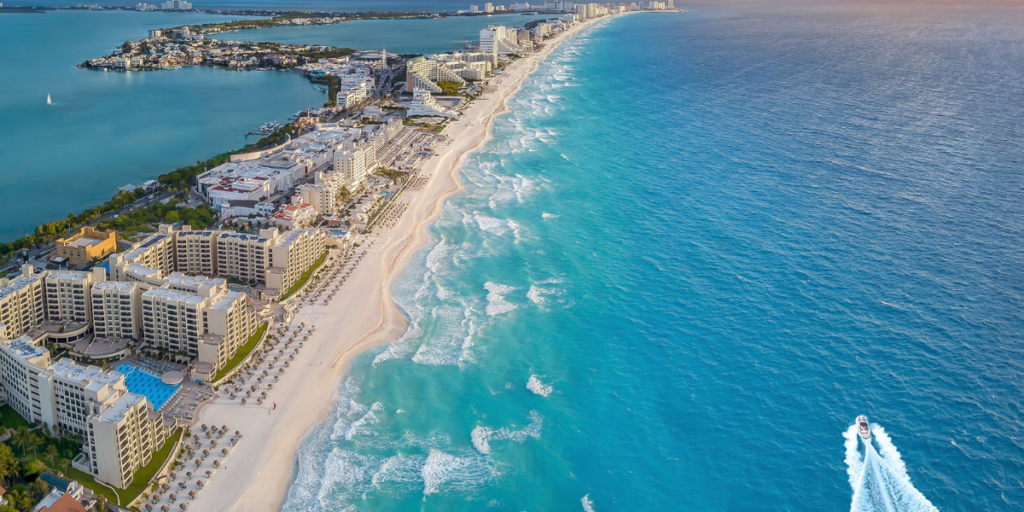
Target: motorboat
[(863, 428)]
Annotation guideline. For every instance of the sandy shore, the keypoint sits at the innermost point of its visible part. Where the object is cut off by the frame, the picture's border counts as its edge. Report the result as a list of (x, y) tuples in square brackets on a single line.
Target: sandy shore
[(257, 473)]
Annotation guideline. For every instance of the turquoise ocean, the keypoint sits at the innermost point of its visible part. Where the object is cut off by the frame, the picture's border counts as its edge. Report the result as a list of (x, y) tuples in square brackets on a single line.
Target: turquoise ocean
[(697, 247)]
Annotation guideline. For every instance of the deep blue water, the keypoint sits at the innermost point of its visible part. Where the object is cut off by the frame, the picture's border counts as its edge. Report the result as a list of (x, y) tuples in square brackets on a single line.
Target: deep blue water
[(711, 240)]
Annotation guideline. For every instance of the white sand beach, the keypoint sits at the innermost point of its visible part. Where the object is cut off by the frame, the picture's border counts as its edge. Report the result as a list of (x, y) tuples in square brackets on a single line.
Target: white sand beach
[(257, 473)]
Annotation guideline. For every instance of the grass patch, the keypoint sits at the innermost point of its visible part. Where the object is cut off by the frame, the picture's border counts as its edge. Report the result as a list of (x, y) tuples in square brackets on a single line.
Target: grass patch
[(243, 352), (305, 277), (144, 475), (139, 482), (11, 418)]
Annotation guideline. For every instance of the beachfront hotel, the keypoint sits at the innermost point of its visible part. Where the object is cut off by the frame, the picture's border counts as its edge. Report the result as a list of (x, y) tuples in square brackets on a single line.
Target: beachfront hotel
[(119, 431)]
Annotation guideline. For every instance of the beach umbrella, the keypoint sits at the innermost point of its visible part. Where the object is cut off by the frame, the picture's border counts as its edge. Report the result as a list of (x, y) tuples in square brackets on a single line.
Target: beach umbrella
[(204, 427), (244, 401), (182, 485), (224, 451), (189, 475), (238, 433), (209, 473), (263, 394), (165, 508), (165, 486), (192, 494), (149, 507), (173, 475), (172, 496), (183, 506), (213, 442), (199, 484)]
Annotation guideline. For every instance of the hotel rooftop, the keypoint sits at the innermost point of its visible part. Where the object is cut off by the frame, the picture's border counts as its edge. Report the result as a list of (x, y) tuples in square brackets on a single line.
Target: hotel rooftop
[(90, 377)]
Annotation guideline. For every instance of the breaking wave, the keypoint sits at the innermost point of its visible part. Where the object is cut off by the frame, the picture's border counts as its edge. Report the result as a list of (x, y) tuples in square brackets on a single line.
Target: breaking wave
[(482, 436), (537, 387)]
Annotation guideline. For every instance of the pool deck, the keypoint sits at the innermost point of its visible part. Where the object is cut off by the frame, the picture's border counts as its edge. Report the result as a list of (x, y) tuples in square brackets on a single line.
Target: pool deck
[(186, 402)]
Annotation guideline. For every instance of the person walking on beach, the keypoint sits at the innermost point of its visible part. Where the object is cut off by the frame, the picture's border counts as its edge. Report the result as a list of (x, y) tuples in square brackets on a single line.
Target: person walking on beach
[(275, 406)]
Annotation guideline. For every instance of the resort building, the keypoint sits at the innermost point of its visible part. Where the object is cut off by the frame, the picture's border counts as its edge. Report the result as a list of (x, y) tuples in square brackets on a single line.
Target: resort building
[(424, 73), (229, 324), (21, 302), (424, 104), (196, 251), (21, 363), (68, 295), (322, 197), (294, 216), (500, 41), (350, 164), (293, 254), (245, 257), (173, 320), (117, 309), (351, 94), (157, 251), (123, 435), (87, 246)]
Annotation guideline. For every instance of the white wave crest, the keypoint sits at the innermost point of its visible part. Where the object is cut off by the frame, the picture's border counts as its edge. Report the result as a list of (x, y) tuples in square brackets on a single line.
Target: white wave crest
[(537, 387), (588, 504), (482, 436), (496, 303), (455, 473), (547, 215)]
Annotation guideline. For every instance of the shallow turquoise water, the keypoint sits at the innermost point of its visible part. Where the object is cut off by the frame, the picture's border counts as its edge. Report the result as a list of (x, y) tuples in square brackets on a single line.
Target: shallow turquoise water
[(105, 130), (696, 248)]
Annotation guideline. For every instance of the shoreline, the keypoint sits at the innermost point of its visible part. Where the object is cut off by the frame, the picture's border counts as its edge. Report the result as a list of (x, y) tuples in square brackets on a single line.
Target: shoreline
[(258, 473)]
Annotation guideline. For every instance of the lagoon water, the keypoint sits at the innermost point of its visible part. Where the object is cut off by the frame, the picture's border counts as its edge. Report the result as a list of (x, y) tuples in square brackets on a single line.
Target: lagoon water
[(696, 248), (107, 129), (399, 36)]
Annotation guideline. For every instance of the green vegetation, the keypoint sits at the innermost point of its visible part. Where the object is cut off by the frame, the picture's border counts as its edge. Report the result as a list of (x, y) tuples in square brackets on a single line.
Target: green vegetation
[(449, 88), (10, 418), (139, 219), (333, 86), (27, 454), (396, 176), (304, 277), (243, 352), (328, 54)]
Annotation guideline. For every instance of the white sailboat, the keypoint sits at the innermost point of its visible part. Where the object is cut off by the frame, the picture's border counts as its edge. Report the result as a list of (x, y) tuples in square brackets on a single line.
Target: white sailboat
[(48, 102)]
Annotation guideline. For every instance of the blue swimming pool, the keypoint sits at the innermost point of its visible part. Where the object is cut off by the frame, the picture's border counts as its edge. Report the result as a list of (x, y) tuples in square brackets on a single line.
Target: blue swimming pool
[(146, 384)]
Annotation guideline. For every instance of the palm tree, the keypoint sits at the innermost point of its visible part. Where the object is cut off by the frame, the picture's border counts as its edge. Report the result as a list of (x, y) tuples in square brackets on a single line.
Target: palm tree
[(102, 503), (64, 464), (33, 442), (51, 452), (21, 438)]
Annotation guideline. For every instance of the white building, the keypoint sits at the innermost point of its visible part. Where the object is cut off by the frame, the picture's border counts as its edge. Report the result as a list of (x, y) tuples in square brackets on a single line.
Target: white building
[(424, 104), (350, 164), (500, 41)]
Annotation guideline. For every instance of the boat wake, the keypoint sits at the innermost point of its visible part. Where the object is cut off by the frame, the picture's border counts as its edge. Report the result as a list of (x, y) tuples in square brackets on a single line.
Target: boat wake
[(879, 477)]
